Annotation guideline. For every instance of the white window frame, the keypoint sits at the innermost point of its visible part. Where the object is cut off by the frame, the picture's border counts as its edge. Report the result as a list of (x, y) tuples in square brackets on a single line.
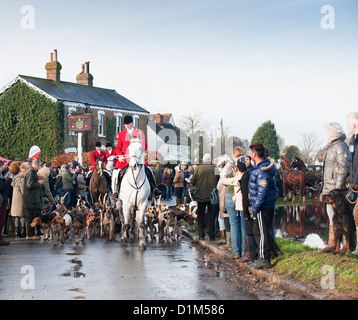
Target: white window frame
[(136, 121), (119, 117), (101, 115)]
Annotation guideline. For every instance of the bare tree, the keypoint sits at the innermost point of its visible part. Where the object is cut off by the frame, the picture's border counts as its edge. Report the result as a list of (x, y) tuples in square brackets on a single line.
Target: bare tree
[(193, 125), (309, 146)]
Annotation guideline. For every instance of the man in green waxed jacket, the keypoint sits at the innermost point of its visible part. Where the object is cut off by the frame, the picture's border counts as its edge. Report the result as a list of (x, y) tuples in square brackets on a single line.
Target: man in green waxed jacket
[(205, 179)]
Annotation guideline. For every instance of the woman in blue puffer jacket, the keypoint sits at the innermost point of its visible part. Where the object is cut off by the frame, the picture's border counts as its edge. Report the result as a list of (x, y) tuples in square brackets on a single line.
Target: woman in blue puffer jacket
[(263, 194)]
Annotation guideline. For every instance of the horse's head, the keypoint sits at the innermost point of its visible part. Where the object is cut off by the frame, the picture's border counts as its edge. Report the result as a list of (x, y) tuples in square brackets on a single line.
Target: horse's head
[(294, 163), (298, 163), (285, 163), (99, 166), (135, 152)]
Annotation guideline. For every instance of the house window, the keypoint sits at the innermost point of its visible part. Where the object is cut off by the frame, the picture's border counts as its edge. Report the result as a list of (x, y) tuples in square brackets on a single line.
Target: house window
[(118, 124), (136, 121), (101, 123)]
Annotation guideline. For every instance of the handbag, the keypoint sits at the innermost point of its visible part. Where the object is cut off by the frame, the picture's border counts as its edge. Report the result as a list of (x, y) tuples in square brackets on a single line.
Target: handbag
[(352, 195), (214, 196)]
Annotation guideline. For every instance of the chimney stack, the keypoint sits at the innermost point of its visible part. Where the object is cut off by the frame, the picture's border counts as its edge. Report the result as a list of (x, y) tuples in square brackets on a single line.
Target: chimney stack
[(53, 68), (85, 78)]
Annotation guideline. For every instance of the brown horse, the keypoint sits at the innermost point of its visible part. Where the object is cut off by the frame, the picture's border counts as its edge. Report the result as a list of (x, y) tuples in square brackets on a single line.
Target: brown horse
[(285, 162), (296, 180), (98, 185), (311, 175)]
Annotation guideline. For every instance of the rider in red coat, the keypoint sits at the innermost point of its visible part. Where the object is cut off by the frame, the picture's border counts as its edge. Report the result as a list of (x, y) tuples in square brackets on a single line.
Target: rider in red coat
[(123, 143), (98, 154)]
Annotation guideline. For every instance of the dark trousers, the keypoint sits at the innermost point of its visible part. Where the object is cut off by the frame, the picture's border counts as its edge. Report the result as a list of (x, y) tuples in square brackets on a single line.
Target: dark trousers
[(3, 214), (30, 215), (262, 232), (201, 220)]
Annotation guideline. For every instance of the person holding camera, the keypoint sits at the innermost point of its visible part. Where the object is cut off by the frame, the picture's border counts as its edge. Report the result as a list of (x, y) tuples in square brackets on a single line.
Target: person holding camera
[(231, 179)]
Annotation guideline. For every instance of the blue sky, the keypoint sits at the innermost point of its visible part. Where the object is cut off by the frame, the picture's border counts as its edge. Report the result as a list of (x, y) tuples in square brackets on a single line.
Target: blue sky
[(244, 61)]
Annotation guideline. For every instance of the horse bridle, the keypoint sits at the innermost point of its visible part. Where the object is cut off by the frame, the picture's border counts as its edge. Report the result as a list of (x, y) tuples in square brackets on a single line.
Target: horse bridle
[(135, 156), (136, 187)]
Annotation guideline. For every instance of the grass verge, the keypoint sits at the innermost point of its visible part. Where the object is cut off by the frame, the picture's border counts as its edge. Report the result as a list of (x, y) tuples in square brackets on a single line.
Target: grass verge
[(304, 265)]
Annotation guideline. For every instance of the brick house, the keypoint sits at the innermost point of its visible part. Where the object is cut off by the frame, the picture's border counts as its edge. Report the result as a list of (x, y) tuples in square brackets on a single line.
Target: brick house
[(106, 107)]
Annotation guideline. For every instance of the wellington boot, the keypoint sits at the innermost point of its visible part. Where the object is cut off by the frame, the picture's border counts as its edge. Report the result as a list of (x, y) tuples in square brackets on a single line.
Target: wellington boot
[(331, 243), (354, 254), (247, 256), (227, 246), (222, 237)]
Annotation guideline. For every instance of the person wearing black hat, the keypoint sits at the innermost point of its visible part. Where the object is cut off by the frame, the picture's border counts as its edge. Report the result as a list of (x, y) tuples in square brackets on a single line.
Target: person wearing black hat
[(98, 154), (110, 154), (121, 165)]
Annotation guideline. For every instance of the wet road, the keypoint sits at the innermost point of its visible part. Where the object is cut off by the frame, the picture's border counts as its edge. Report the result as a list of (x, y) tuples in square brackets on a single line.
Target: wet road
[(98, 269)]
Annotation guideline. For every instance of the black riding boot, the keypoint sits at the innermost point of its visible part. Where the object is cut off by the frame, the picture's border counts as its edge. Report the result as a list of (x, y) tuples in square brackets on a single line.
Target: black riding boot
[(153, 186), (108, 178)]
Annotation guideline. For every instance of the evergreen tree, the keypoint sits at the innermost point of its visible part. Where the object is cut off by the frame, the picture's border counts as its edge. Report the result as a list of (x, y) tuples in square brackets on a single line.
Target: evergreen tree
[(266, 134)]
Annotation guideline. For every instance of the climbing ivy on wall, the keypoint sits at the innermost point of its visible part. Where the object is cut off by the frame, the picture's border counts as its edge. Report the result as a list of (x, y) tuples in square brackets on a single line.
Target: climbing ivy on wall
[(111, 129), (28, 118)]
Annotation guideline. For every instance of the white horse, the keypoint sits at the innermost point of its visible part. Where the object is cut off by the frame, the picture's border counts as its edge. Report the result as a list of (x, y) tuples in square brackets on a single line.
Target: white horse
[(134, 192)]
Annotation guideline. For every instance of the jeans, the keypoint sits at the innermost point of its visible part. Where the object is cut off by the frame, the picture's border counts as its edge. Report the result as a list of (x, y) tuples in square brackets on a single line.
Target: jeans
[(221, 222), (242, 232), (235, 225), (168, 192), (179, 194)]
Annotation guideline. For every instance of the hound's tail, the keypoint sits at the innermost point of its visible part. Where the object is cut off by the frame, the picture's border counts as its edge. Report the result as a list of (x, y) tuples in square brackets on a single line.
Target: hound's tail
[(63, 202)]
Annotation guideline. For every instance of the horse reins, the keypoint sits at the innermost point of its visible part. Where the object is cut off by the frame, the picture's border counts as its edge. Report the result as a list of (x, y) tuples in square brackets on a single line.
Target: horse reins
[(136, 187)]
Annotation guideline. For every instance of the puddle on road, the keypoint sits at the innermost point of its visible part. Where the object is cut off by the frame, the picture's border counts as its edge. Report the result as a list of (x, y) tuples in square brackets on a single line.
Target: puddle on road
[(74, 271)]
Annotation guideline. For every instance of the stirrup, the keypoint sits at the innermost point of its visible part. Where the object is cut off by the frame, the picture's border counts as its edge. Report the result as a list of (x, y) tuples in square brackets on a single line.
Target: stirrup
[(156, 193)]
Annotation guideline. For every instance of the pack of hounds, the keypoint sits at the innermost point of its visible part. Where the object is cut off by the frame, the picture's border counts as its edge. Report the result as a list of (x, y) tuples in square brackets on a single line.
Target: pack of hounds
[(104, 219)]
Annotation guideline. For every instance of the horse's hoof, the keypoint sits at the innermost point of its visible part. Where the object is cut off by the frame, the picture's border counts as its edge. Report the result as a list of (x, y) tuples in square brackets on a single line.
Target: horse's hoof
[(142, 247)]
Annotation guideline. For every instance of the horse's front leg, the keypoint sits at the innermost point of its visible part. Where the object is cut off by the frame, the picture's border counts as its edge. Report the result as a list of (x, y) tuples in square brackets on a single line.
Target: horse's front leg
[(126, 224), (294, 194), (141, 225), (285, 190)]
